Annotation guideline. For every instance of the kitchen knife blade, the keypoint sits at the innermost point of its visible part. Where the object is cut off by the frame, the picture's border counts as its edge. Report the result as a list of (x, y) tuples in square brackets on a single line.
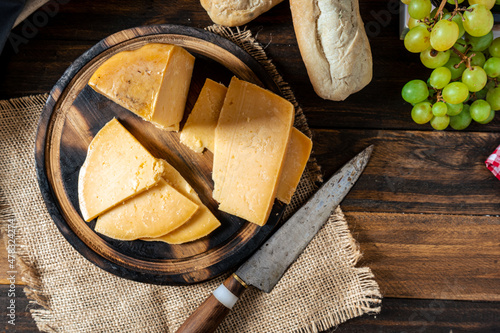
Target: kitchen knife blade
[(266, 267)]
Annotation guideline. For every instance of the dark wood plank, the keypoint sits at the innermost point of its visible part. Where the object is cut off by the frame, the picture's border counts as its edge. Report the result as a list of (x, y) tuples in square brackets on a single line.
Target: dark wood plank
[(429, 316), (398, 315), (430, 255), (415, 171)]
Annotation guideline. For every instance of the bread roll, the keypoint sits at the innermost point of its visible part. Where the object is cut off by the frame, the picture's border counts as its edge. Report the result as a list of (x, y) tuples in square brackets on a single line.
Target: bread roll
[(233, 13), (333, 45)]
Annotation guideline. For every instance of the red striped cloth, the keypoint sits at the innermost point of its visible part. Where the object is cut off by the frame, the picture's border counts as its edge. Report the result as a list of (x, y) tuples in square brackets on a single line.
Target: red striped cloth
[(493, 162)]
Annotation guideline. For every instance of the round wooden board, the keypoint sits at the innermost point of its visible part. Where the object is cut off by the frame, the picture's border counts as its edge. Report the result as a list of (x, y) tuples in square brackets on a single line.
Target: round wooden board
[(74, 113)]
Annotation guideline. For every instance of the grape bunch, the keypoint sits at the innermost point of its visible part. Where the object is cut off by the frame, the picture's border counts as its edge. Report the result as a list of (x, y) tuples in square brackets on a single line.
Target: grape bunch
[(458, 46)]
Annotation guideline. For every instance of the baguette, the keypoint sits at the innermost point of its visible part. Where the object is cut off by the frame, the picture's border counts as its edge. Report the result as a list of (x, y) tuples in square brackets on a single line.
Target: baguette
[(333, 45), (233, 13)]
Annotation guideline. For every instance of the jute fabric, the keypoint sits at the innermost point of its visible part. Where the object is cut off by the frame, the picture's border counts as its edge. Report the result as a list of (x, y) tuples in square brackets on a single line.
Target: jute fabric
[(322, 289)]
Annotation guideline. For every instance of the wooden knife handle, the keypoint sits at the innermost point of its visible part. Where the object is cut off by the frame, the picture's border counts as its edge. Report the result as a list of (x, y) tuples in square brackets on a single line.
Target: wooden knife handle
[(214, 309)]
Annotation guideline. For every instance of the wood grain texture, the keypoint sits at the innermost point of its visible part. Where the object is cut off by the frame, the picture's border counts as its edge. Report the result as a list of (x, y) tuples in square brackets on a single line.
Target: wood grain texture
[(207, 317), (430, 256)]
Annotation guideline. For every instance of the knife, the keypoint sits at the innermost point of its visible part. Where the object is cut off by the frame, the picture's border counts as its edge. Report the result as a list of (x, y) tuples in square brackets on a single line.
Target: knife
[(266, 267)]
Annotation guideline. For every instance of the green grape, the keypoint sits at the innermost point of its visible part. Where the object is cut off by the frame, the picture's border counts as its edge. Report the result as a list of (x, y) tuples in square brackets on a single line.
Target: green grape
[(455, 72), (453, 1), (492, 67), (440, 123), (444, 34), (487, 3), (440, 77), (421, 113), (493, 98), (495, 48), (462, 120), (461, 46), (489, 119), (439, 109), (477, 22), (419, 9), (455, 92), (480, 110), (417, 39), (475, 78), (415, 91), (458, 20), (454, 109), (478, 59), (479, 43), (434, 59), (406, 2), (413, 23)]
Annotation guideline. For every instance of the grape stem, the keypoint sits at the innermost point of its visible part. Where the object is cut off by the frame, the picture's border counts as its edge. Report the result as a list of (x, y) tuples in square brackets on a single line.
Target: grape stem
[(464, 59), (439, 12)]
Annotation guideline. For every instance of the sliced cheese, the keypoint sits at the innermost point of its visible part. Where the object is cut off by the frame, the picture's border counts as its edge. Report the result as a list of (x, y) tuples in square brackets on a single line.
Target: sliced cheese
[(152, 82), (116, 168), (202, 223), (296, 159), (198, 132), (152, 213), (251, 140)]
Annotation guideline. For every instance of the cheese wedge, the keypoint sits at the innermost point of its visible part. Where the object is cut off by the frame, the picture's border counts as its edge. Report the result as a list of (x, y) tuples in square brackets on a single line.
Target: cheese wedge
[(296, 159), (202, 223), (152, 213), (251, 140), (152, 82), (116, 168), (198, 132)]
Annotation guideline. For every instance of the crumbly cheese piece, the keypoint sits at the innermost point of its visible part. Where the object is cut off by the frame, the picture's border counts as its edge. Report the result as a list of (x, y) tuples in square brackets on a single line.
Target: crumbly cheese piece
[(116, 168), (152, 82), (296, 159), (152, 213), (202, 223), (251, 140), (198, 132)]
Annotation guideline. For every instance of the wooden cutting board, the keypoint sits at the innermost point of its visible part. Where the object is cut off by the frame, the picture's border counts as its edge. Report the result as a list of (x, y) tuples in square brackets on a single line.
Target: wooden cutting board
[(74, 113)]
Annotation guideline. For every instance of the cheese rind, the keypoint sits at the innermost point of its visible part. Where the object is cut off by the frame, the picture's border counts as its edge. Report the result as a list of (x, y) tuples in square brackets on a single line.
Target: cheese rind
[(116, 168), (152, 82), (298, 152), (198, 132), (251, 140), (152, 213), (202, 223)]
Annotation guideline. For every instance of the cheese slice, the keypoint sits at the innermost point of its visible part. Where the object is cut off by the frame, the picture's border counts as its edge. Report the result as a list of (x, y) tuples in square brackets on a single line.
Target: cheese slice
[(116, 168), (251, 140), (202, 223), (198, 132), (296, 159), (152, 213), (152, 82)]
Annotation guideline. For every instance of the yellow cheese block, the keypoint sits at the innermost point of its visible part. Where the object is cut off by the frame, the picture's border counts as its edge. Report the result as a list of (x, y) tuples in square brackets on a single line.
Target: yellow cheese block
[(251, 140), (202, 223), (296, 159), (198, 132), (152, 213), (153, 82), (116, 168)]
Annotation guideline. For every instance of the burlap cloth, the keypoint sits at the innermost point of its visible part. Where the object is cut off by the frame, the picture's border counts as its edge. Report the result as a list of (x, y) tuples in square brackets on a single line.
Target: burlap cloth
[(67, 293)]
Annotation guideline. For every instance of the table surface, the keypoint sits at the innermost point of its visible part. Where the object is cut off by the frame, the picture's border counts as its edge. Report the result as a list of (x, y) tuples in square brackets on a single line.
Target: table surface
[(425, 212)]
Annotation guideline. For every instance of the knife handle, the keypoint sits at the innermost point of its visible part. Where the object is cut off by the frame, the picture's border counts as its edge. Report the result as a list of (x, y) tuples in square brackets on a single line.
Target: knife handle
[(214, 309)]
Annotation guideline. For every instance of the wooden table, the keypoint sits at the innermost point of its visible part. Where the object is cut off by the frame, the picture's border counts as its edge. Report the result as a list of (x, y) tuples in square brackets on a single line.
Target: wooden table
[(426, 211)]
